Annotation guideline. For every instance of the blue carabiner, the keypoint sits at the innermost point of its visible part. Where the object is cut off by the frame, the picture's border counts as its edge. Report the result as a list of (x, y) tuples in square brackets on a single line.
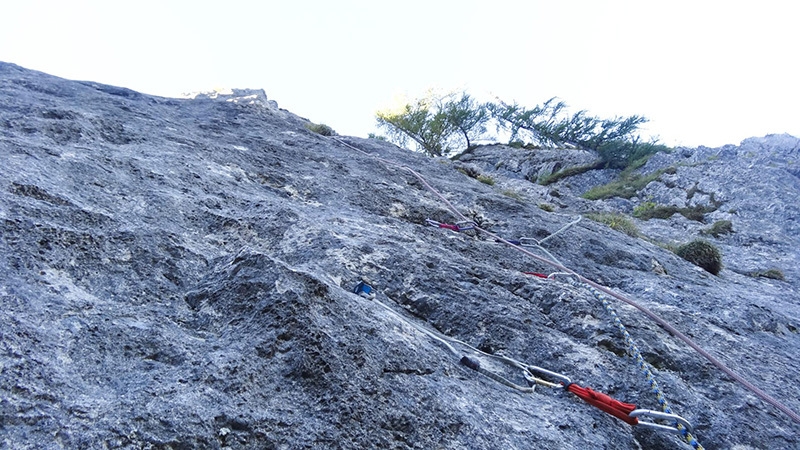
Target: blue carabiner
[(364, 290)]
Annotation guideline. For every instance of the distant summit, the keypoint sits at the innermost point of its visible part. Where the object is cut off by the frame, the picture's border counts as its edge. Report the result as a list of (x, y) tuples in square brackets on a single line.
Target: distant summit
[(242, 96)]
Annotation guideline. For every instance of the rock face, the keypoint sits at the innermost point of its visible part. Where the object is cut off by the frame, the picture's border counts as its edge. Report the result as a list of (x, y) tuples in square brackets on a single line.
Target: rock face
[(179, 274)]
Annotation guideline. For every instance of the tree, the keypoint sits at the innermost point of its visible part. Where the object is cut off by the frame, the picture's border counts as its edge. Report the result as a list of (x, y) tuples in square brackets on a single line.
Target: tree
[(422, 122), (548, 125), (538, 122), (438, 125), (465, 115)]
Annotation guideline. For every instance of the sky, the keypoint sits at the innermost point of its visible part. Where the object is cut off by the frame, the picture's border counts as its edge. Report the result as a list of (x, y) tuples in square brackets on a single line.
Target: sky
[(703, 72)]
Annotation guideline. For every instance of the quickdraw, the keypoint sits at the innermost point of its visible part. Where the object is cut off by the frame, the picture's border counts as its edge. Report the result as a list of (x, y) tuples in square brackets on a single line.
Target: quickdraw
[(533, 375), (457, 227)]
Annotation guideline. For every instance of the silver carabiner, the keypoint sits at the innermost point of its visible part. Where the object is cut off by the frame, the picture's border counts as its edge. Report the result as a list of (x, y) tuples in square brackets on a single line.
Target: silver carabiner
[(662, 416), (468, 225), (563, 379), (528, 242)]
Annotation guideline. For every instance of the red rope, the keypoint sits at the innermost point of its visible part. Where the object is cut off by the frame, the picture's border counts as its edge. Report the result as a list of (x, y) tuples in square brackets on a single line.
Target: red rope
[(605, 403)]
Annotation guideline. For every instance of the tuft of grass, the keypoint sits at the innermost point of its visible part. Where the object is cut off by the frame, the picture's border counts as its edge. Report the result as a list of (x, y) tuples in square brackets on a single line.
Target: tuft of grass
[(774, 274), (569, 172), (468, 171), (513, 194), (719, 228), (702, 254), (697, 212), (651, 210), (615, 221), (626, 186), (485, 179), (547, 207), (636, 164), (668, 246), (321, 129)]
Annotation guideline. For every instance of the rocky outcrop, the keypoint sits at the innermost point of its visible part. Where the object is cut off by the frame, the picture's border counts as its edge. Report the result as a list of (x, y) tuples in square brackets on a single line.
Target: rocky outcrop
[(179, 274), (755, 186)]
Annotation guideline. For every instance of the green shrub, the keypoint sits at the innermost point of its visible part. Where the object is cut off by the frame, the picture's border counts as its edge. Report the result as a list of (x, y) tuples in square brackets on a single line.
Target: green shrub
[(321, 129), (719, 228), (643, 208), (702, 254), (377, 137), (774, 274), (616, 222), (547, 207)]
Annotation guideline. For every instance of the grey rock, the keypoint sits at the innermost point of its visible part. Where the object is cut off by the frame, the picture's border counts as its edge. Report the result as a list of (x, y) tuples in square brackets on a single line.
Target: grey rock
[(756, 186), (523, 163), (179, 274), (242, 96)]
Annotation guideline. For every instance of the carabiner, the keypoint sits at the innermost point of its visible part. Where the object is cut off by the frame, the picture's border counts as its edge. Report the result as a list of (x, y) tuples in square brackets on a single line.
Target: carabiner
[(433, 223), (364, 290), (468, 225), (662, 416), (528, 242), (563, 379)]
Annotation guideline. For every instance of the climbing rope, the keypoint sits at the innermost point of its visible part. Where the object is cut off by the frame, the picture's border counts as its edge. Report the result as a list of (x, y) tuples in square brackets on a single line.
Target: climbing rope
[(561, 268), (633, 350), (601, 401), (626, 412), (365, 290), (613, 407), (521, 242)]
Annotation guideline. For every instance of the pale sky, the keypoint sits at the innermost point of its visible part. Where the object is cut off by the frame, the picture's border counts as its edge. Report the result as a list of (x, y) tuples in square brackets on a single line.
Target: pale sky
[(704, 72)]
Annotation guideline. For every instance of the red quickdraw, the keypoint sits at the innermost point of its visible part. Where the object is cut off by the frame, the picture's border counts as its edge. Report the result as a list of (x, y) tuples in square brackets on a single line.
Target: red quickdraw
[(626, 412), (457, 227), (536, 274), (603, 402)]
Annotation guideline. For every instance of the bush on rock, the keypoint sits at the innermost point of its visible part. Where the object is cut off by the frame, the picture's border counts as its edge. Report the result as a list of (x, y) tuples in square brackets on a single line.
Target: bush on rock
[(702, 254)]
